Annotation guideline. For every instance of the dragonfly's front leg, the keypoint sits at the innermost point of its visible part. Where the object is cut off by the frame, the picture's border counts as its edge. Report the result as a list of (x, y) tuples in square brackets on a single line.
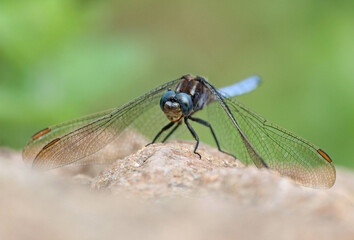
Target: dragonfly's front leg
[(170, 124), (172, 131), (194, 135)]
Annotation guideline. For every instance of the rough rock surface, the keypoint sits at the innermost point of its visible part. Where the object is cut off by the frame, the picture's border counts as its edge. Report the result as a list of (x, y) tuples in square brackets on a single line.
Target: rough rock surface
[(164, 191)]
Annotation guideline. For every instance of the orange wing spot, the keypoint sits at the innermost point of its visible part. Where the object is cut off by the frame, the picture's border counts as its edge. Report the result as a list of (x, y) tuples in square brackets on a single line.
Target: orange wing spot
[(324, 155), (41, 133), (51, 143)]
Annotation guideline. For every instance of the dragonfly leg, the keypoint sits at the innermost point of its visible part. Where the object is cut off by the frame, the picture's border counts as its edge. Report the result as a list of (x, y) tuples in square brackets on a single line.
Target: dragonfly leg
[(170, 124), (205, 123), (172, 131), (194, 135)]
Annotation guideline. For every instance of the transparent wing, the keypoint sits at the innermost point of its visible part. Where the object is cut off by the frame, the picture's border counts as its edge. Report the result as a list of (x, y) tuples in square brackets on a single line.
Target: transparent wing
[(43, 137), (74, 141), (252, 139)]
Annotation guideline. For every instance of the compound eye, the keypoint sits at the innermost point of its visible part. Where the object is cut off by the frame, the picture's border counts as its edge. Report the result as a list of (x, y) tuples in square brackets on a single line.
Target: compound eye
[(168, 96), (185, 101)]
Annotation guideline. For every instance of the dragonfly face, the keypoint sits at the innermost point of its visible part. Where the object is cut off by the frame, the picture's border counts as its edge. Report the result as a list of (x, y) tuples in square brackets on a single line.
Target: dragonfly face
[(189, 96), (176, 105), (237, 131)]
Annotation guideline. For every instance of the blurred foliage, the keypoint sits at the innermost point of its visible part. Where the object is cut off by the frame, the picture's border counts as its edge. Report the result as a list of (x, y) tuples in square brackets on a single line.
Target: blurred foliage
[(60, 59)]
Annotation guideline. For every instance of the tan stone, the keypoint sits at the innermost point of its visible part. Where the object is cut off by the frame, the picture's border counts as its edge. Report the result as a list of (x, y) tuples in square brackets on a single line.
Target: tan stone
[(164, 191)]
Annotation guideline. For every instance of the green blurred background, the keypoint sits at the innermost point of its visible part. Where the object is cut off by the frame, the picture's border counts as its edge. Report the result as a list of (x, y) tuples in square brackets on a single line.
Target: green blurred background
[(62, 59)]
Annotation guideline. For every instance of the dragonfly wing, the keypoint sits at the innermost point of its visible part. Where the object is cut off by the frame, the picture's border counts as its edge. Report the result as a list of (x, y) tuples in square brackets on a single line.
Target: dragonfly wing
[(94, 133), (251, 138), (284, 151), (43, 137)]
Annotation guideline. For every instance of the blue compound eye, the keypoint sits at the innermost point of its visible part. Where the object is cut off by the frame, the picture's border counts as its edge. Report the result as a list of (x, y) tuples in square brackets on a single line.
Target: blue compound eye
[(185, 101), (168, 96)]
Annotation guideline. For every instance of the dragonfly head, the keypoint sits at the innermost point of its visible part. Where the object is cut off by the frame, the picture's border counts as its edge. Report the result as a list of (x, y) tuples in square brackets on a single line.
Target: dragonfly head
[(176, 105)]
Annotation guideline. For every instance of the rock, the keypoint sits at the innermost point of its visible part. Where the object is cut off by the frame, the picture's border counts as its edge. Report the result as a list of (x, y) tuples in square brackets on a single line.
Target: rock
[(164, 191), (163, 170)]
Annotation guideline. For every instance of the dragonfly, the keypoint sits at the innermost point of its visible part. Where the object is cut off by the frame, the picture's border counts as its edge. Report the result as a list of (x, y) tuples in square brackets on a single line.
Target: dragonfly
[(157, 114)]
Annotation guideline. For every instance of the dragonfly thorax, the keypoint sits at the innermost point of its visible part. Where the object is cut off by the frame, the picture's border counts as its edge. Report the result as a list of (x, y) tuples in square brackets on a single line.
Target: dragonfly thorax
[(176, 105)]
